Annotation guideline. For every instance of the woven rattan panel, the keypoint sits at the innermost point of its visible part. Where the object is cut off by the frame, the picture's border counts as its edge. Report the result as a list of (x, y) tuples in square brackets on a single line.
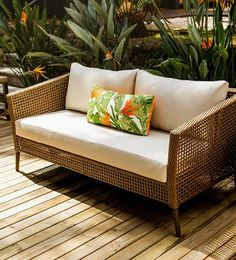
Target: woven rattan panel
[(48, 96), (206, 154), (117, 177)]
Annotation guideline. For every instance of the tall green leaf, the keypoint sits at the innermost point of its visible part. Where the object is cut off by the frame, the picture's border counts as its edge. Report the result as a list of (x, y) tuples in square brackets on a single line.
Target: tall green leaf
[(96, 46), (99, 43), (126, 32), (100, 10), (119, 50), (81, 33), (194, 54), (60, 42), (194, 35), (110, 22), (166, 35), (17, 8), (5, 9), (203, 70), (220, 34)]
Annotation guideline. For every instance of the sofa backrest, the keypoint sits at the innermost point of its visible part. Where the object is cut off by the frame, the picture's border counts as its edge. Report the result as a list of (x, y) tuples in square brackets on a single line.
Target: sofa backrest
[(82, 79), (177, 101)]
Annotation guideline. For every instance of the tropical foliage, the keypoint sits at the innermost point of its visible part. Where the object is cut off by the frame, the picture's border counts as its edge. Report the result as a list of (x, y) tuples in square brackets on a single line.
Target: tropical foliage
[(35, 56), (101, 37), (131, 113), (208, 54)]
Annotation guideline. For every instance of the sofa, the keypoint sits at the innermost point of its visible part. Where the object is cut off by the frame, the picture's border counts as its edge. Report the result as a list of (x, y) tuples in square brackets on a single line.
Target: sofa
[(190, 147)]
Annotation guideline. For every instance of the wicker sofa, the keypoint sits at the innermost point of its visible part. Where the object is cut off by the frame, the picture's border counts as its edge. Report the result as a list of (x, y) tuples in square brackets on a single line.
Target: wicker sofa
[(190, 148)]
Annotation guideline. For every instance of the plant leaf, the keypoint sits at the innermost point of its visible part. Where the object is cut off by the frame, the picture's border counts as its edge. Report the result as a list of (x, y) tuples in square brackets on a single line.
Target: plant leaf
[(110, 22), (96, 46), (100, 10), (203, 70), (194, 54), (126, 32), (61, 43), (80, 33), (119, 50), (200, 14), (100, 44), (194, 35), (220, 34), (155, 72)]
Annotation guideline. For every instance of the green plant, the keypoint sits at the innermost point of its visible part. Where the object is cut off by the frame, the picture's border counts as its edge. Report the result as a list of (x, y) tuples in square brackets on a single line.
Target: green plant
[(135, 11), (208, 54), (30, 45), (101, 38)]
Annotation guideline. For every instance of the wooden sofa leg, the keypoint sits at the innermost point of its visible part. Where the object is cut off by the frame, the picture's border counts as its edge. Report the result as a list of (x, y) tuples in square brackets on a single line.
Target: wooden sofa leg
[(17, 161), (175, 213)]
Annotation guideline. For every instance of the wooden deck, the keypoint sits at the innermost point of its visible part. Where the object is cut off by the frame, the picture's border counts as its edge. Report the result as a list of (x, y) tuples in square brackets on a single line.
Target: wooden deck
[(48, 212)]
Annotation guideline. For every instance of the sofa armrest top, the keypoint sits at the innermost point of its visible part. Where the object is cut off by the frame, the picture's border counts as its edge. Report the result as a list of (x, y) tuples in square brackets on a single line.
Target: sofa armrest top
[(44, 97), (185, 127), (231, 92)]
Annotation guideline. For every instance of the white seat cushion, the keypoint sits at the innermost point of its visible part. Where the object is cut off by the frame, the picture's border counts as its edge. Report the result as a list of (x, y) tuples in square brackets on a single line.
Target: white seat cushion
[(178, 101), (82, 79), (70, 131)]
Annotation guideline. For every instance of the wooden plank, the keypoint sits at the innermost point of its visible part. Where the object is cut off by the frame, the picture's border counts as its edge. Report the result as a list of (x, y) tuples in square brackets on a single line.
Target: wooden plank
[(10, 160), (5, 141), (148, 246), (27, 166), (220, 242), (11, 167), (161, 246), (30, 178), (8, 151), (129, 245), (29, 204), (89, 229), (9, 148), (200, 236), (9, 186), (68, 198), (226, 251), (5, 131), (10, 176), (38, 190), (126, 233), (52, 226), (46, 222)]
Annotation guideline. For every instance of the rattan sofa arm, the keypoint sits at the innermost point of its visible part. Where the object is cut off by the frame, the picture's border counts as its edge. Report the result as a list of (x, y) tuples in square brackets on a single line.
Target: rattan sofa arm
[(47, 96), (231, 92), (185, 127), (202, 151)]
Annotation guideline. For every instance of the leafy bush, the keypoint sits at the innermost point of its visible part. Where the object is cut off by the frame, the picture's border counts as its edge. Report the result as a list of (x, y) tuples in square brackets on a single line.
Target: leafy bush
[(101, 38), (31, 47), (208, 54)]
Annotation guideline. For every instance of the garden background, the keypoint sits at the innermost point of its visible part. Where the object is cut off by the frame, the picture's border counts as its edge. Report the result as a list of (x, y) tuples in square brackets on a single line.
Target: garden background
[(118, 34)]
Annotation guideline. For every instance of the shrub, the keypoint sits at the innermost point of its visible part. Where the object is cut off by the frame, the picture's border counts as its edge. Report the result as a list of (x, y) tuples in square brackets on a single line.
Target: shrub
[(209, 53), (35, 56), (102, 38)]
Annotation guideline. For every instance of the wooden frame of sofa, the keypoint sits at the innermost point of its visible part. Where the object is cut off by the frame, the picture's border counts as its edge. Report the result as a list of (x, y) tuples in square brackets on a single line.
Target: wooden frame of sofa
[(202, 151)]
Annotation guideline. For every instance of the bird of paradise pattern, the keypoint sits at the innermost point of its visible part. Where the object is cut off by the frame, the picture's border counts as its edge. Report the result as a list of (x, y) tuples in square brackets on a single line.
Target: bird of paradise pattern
[(131, 113)]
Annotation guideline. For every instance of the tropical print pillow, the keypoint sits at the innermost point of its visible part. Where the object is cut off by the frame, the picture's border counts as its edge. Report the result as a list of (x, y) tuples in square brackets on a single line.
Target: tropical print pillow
[(131, 113)]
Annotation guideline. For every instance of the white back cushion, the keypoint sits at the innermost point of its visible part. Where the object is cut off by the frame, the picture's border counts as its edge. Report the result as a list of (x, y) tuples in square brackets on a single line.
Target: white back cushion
[(177, 101), (82, 79)]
